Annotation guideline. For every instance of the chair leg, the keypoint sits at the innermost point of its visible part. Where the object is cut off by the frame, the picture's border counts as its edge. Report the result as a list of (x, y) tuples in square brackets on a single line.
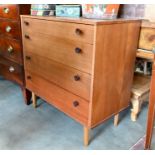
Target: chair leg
[(116, 119), (86, 136), (135, 109), (34, 100)]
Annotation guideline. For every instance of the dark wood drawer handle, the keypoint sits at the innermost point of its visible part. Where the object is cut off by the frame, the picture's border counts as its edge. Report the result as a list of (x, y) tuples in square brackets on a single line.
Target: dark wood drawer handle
[(6, 10), (78, 50), (75, 103), (26, 23), (78, 31), (28, 58), (8, 29), (29, 77), (77, 78), (11, 69), (27, 36), (10, 49)]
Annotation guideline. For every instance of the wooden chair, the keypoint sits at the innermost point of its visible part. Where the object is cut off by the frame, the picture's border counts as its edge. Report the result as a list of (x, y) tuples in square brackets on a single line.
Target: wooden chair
[(139, 93)]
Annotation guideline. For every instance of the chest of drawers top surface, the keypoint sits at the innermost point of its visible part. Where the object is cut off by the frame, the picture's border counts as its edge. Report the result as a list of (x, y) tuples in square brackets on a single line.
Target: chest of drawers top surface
[(80, 20)]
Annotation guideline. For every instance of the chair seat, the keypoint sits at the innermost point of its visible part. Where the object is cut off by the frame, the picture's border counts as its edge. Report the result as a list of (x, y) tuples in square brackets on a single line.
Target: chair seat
[(141, 84), (139, 93)]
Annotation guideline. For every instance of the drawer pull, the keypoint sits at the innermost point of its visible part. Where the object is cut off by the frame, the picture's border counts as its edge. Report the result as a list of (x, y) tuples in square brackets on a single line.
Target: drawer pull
[(28, 77), (78, 31), (28, 58), (10, 49), (8, 29), (26, 23), (75, 103), (11, 69), (76, 77), (27, 36), (78, 50), (6, 10)]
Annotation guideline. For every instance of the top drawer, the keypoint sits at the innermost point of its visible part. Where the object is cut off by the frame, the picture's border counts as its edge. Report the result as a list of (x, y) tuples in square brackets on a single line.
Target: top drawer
[(78, 32), (9, 11)]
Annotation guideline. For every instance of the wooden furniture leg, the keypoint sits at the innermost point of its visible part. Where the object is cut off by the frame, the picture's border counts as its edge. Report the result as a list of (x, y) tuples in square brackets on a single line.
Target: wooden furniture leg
[(151, 113), (116, 119), (145, 68), (139, 93), (86, 136), (27, 95), (34, 100), (135, 108)]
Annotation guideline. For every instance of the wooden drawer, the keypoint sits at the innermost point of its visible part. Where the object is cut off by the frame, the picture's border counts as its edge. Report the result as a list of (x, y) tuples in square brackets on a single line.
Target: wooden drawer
[(11, 49), (72, 53), (9, 11), (66, 77), (61, 30), (147, 38), (10, 29), (67, 102), (11, 70)]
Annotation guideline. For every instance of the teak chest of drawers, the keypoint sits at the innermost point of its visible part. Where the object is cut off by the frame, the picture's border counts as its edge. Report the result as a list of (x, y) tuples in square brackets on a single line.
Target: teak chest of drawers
[(11, 54), (83, 67)]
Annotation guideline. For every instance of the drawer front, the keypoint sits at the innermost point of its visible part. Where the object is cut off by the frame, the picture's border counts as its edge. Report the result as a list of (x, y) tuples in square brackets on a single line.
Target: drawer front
[(147, 39), (67, 102), (72, 53), (11, 49), (11, 70), (62, 30), (66, 77), (9, 11), (10, 29)]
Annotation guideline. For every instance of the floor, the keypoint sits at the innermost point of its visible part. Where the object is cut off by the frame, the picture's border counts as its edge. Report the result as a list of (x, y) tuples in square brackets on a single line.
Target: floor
[(23, 127)]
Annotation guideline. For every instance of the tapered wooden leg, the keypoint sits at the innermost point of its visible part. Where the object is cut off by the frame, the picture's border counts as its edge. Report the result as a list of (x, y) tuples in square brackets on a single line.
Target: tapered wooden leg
[(27, 95), (34, 100), (116, 119), (133, 116), (135, 108), (86, 136)]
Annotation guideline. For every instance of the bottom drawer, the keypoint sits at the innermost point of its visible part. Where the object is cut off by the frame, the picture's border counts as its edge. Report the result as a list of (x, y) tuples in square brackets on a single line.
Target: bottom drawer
[(11, 71), (67, 102)]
